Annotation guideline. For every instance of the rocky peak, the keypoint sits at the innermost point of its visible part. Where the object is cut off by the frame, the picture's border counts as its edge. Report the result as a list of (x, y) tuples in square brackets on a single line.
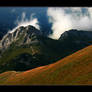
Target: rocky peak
[(21, 35)]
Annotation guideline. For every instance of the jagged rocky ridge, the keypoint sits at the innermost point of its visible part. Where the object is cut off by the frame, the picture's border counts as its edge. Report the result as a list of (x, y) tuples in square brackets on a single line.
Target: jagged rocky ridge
[(22, 34)]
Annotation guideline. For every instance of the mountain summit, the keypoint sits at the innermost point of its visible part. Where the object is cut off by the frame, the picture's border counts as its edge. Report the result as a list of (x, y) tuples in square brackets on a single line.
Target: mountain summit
[(22, 35), (77, 35)]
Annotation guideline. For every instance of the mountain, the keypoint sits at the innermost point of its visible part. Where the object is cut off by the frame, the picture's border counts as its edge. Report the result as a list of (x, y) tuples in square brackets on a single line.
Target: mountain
[(26, 48), (20, 36), (74, 40), (77, 36), (71, 70)]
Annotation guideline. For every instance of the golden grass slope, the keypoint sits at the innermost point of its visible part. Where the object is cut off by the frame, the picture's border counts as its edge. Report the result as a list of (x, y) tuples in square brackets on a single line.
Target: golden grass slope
[(75, 69)]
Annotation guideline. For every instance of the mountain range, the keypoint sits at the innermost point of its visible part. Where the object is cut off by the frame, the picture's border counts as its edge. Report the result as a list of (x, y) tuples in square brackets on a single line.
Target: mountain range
[(26, 48)]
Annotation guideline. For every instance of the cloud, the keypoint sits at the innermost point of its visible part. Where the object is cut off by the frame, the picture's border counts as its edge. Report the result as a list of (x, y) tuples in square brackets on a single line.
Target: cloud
[(90, 11), (67, 18), (25, 22)]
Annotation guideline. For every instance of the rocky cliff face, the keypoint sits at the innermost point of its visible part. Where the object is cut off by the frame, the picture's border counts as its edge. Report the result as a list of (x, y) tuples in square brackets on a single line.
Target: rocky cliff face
[(22, 35)]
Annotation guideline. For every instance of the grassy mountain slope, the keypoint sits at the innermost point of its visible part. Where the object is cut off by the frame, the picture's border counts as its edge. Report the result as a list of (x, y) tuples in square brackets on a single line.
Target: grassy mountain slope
[(75, 69)]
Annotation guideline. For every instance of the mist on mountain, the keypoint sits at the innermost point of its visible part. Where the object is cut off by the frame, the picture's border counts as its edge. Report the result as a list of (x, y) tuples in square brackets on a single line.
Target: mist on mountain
[(53, 21), (65, 18), (11, 15)]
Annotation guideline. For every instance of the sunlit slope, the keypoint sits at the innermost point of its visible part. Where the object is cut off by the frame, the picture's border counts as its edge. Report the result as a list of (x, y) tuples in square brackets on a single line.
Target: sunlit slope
[(75, 69)]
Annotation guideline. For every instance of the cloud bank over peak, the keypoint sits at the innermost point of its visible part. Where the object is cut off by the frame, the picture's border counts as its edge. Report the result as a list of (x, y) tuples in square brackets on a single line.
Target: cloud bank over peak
[(67, 18), (25, 22)]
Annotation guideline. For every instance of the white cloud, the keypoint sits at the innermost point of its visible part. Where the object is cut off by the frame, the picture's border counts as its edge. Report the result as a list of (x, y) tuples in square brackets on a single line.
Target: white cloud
[(67, 18), (25, 22), (90, 11), (59, 25)]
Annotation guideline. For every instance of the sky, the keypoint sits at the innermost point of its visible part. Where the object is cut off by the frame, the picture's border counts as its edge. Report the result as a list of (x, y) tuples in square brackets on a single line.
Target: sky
[(53, 21)]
